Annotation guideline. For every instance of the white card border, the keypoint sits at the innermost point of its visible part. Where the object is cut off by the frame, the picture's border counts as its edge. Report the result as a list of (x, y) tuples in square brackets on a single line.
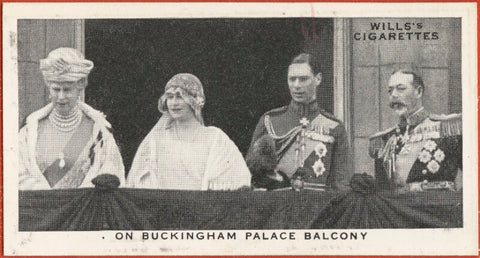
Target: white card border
[(380, 242)]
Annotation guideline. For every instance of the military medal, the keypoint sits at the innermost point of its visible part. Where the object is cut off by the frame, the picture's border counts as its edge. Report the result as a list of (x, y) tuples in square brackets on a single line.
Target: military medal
[(300, 149), (404, 140), (304, 122)]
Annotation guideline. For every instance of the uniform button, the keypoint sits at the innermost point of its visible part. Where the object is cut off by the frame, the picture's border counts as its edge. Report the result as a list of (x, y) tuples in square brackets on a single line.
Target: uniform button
[(424, 171)]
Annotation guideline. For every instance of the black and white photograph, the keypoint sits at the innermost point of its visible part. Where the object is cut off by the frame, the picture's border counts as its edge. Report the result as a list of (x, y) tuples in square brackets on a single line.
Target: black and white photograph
[(261, 129)]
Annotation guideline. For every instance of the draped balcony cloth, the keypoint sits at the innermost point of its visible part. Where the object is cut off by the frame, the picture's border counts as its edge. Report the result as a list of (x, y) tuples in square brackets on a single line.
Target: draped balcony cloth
[(138, 209)]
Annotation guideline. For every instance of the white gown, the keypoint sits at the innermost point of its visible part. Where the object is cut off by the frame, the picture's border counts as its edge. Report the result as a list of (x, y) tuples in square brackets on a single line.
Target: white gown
[(211, 162)]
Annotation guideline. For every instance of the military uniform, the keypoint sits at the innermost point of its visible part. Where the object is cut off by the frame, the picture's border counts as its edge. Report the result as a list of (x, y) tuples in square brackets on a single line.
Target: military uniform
[(423, 152), (310, 144)]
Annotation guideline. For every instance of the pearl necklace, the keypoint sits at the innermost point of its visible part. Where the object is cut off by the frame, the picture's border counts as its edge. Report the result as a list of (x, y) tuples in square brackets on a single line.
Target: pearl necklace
[(65, 123)]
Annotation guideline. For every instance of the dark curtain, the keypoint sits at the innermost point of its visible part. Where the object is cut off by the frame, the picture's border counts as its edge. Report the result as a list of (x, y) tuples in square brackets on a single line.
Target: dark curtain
[(136, 209), (242, 64)]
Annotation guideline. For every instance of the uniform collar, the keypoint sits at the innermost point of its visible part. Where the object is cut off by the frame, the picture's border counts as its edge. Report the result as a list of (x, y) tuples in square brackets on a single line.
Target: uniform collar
[(413, 120), (302, 108), (417, 117)]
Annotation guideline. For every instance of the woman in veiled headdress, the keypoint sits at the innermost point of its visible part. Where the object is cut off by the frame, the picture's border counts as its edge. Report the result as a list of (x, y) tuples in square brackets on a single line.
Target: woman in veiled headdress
[(180, 152), (67, 143)]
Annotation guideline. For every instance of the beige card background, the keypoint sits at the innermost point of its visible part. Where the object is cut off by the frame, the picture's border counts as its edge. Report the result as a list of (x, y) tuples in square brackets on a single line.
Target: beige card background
[(385, 241)]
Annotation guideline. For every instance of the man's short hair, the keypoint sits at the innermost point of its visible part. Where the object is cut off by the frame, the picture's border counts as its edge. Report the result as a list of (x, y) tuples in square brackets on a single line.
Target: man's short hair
[(305, 58), (417, 79)]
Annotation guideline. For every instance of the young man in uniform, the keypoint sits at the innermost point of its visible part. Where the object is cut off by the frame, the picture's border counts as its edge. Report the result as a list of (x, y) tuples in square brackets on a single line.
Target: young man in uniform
[(306, 143)]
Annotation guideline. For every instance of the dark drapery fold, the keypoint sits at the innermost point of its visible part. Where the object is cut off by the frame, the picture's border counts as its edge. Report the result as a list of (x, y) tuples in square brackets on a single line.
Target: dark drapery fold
[(79, 209), (136, 209), (440, 209)]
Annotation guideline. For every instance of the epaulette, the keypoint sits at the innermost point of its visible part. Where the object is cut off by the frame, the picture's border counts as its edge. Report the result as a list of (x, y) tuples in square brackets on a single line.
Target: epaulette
[(330, 116), (382, 133), (450, 125), (377, 143), (277, 110)]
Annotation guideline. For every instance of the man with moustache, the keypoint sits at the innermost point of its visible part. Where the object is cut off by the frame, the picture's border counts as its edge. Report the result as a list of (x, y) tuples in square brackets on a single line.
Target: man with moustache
[(423, 151), (300, 141)]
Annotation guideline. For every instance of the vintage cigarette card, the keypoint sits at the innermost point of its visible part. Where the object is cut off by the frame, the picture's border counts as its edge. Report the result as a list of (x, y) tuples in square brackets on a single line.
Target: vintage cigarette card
[(240, 128)]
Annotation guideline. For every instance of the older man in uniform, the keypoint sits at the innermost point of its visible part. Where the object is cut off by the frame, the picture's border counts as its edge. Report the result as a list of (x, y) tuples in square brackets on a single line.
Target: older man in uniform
[(310, 144), (424, 151)]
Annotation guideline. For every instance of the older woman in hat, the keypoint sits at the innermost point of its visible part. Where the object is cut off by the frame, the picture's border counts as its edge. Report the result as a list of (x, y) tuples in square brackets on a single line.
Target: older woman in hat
[(180, 152), (67, 143)]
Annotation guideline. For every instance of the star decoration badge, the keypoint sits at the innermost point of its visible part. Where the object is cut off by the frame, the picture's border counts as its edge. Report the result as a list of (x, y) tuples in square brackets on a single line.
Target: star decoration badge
[(304, 122)]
